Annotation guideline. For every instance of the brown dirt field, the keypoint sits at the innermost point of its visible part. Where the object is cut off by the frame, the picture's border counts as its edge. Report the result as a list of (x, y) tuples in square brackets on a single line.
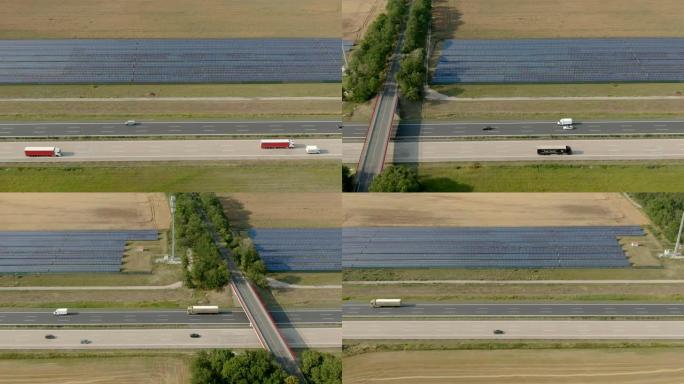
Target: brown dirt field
[(96, 370), (122, 110), (489, 209), (357, 15), (283, 210), (169, 18), (73, 211), (586, 366), (491, 19)]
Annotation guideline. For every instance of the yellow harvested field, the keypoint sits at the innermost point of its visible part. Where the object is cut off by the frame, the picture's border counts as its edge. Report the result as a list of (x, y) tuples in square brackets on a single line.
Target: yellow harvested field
[(74, 211), (96, 370), (283, 210), (576, 366), (357, 15), (169, 19), (506, 19), (489, 209)]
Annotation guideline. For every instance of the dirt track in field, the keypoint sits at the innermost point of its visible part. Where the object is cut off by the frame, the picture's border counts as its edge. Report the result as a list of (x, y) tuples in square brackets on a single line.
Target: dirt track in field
[(490, 209), (83, 211)]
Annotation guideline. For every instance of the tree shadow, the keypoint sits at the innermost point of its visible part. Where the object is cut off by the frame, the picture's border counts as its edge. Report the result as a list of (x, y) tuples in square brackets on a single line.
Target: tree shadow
[(445, 20), (444, 184), (238, 216)]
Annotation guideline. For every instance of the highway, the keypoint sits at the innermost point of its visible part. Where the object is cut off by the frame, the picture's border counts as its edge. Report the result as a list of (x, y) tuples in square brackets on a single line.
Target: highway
[(514, 329), (236, 318), (372, 157), (525, 150), (149, 338), (168, 150), (436, 130), (166, 128), (262, 322), (522, 310)]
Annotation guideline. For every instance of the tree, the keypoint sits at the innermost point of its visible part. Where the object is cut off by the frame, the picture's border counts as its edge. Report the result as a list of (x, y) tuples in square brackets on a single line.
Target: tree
[(396, 178), (321, 368), (292, 380), (411, 76), (222, 366), (347, 180)]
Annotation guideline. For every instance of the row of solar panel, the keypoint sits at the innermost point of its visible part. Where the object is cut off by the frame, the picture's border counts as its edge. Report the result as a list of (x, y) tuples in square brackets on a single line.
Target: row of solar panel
[(495, 264), (316, 249), (59, 268), (177, 61), (575, 60)]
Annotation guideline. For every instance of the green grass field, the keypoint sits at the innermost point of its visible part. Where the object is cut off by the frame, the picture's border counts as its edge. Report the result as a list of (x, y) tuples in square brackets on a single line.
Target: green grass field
[(230, 176), (169, 90), (552, 177)]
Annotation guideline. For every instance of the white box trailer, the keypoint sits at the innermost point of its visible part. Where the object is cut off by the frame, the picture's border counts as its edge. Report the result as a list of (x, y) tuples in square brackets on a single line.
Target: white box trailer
[(203, 310), (61, 312), (379, 303), (565, 121)]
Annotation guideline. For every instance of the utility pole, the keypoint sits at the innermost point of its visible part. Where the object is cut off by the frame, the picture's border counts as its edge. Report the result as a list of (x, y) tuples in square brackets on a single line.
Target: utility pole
[(679, 236), (172, 201)]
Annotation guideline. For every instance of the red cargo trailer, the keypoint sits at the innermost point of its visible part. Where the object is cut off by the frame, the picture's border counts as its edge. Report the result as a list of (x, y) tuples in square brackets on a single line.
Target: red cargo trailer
[(42, 152), (277, 143)]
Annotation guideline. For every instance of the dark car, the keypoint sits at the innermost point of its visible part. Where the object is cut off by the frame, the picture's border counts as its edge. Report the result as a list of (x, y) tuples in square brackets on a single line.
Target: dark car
[(50, 337), (498, 332), (85, 341), (488, 128), (195, 335)]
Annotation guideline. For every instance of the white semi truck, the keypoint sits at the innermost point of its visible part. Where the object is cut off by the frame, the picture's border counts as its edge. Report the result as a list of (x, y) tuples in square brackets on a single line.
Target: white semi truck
[(381, 303), (203, 310)]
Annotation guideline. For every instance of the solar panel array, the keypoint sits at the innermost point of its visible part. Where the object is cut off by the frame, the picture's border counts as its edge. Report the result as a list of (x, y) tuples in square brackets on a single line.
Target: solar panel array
[(486, 247), (561, 61), (169, 61), (69, 251), (315, 249)]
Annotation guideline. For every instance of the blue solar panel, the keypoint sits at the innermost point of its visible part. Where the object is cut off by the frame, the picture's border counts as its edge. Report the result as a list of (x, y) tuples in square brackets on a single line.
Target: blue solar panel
[(561, 61), (170, 61), (316, 249), (490, 247), (66, 251)]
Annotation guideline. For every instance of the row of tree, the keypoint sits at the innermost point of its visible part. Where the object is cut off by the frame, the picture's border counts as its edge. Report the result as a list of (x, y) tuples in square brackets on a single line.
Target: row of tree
[(367, 66), (222, 366), (664, 210), (242, 248), (203, 267), (412, 72)]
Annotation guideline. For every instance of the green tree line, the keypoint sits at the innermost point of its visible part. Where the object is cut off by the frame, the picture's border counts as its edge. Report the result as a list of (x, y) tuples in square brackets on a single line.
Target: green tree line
[(664, 210), (366, 69), (412, 72)]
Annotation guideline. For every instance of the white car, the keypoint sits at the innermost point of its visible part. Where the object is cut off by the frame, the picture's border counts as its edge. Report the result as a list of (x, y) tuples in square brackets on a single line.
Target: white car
[(568, 127), (130, 123), (313, 149)]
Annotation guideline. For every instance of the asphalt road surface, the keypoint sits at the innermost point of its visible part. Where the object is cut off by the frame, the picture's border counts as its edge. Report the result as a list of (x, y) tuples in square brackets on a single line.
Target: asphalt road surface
[(514, 329), (529, 310), (523, 128), (164, 317), (167, 128), (168, 150), (161, 338), (525, 150), (371, 160)]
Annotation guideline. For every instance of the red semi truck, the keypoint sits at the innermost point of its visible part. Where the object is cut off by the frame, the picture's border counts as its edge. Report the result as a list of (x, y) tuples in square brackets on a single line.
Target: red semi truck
[(42, 152), (277, 143)]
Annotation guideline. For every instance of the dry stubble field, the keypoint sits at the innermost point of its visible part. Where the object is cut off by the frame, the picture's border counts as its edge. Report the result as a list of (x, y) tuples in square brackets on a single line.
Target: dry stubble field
[(490, 209), (83, 211), (169, 19), (96, 370), (605, 366), (357, 15), (505, 19)]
